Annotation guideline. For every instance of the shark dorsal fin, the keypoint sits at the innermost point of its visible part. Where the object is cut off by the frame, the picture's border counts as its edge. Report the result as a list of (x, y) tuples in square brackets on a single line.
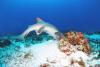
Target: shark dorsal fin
[(39, 20)]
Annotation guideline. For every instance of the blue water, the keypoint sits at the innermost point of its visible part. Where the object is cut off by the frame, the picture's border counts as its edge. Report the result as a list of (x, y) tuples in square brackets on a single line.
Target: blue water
[(79, 15), (66, 15)]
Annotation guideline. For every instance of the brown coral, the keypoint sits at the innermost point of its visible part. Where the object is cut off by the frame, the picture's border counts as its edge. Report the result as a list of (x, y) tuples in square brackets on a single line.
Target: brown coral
[(76, 39)]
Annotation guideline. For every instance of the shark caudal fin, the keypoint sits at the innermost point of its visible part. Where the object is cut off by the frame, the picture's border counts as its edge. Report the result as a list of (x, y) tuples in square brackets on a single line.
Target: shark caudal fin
[(21, 37)]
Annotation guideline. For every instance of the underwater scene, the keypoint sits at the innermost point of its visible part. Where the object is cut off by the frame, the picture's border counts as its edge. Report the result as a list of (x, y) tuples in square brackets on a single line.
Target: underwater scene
[(43, 45), (49, 33)]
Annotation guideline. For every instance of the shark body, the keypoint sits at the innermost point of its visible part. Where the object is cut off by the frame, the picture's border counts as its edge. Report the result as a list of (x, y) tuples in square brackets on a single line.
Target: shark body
[(42, 26)]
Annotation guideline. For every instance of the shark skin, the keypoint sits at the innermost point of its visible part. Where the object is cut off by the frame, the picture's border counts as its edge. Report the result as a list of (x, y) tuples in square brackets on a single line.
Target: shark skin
[(42, 26)]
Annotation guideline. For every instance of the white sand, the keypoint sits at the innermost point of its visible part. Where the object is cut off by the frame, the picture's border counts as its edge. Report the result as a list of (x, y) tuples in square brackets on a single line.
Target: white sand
[(46, 52)]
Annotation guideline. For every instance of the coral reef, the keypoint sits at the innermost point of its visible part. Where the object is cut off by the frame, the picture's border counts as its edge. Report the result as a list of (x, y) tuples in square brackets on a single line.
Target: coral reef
[(76, 40)]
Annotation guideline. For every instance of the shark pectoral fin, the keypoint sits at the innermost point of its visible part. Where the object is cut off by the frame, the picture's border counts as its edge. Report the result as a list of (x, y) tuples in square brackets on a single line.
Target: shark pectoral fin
[(40, 30), (37, 32)]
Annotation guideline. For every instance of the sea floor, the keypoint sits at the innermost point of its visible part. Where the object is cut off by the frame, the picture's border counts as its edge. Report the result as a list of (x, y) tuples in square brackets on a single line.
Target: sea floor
[(44, 50)]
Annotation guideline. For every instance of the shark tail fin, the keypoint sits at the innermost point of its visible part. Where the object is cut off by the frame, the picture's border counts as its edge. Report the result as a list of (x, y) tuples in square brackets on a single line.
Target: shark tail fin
[(18, 37), (21, 37)]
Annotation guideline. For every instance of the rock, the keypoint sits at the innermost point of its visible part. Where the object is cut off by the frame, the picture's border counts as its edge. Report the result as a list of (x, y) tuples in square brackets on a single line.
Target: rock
[(18, 40), (97, 65), (4, 43)]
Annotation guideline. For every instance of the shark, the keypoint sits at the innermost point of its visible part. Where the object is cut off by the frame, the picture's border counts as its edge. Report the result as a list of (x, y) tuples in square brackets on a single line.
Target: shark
[(42, 26)]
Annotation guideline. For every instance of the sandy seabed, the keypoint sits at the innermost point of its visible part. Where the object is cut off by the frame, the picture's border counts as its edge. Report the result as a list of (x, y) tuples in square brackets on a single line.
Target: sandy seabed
[(44, 53)]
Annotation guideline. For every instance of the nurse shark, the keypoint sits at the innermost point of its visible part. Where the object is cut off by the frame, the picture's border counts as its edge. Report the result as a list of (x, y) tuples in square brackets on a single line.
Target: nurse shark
[(42, 26)]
